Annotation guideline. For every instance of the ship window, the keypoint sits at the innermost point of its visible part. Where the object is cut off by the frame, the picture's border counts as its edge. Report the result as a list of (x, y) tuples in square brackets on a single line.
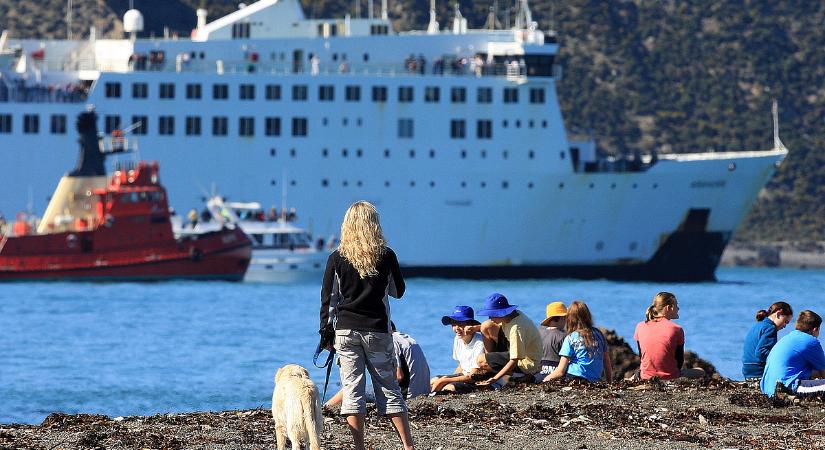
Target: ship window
[(412, 153), (324, 182), (325, 153), (166, 125), (379, 93), (432, 153), (293, 153), (344, 153), (386, 153), (299, 92), (412, 183), (299, 126), (544, 124), (112, 90), (530, 123), (405, 128), (193, 126), (58, 124), (273, 91), (167, 90), (386, 183), (259, 238), (530, 185), (359, 153), (561, 155), (464, 184), (484, 129), (379, 29), (5, 123), (273, 152), (505, 154), (246, 126), (539, 65), (518, 123), (220, 91), (220, 126), (140, 90), (344, 121), (405, 94), (458, 129), (432, 94), (505, 184), (324, 121), (112, 123), (432, 184), (458, 95), (484, 95), (326, 92), (510, 95), (345, 183), (531, 154), (240, 30), (193, 91), (353, 93), (31, 124), (464, 154), (141, 125), (247, 92), (366, 57), (483, 154), (536, 95), (483, 184), (273, 126)]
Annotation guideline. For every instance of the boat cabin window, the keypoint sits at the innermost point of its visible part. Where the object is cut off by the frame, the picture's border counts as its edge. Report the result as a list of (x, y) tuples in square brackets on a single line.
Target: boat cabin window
[(539, 65), (258, 238), (240, 30), (290, 241)]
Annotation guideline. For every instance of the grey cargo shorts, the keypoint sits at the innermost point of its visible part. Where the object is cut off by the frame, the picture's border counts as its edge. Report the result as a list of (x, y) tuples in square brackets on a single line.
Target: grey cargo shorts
[(361, 351)]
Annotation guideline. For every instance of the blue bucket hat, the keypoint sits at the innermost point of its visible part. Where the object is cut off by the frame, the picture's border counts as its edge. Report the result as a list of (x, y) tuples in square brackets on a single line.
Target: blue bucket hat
[(497, 305), (460, 314)]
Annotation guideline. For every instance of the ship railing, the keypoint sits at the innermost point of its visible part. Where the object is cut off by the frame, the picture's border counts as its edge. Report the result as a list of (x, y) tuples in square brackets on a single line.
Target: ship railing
[(450, 66), (18, 91)]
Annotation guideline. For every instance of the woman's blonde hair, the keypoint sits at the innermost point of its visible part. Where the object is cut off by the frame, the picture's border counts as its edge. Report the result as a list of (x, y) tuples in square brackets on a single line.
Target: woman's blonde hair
[(362, 240), (662, 299)]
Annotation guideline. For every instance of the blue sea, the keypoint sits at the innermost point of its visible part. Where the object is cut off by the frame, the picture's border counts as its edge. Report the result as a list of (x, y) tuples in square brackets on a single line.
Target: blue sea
[(129, 349)]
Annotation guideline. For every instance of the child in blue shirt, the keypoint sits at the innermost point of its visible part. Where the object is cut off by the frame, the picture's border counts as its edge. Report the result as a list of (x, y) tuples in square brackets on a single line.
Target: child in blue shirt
[(584, 353), (797, 358), (762, 337)]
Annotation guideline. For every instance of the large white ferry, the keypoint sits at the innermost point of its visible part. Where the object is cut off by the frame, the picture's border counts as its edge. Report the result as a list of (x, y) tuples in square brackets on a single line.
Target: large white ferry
[(455, 134)]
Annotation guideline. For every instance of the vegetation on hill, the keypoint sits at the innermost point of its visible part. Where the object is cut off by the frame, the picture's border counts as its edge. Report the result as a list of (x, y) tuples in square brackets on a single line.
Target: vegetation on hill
[(674, 76)]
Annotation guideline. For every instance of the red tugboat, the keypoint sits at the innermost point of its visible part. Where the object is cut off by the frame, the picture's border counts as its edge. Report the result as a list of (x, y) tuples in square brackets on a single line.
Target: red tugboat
[(117, 229)]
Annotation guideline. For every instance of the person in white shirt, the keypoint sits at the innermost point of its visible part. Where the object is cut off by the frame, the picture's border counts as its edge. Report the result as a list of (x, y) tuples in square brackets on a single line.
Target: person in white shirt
[(467, 346)]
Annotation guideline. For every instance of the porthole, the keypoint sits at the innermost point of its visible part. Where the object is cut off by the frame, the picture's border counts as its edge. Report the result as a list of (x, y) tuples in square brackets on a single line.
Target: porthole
[(655, 185), (612, 185), (344, 152), (432, 184), (505, 154), (386, 184), (544, 124), (591, 185), (505, 185), (292, 152), (272, 152), (344, 121), (464, 184), (345, 183), (484, 153), (324, 121), (412, 153), (324, 182), (325, 153), (531, 154), (483, 184), (518, 124), (561, 185), (293, 183), (359, 183), (531, 123), (432, 153), (412, 183), (359, 153), (561, 155), (463, 154), (386, 153), (359, 122), (635, 185), (530, 185), (272, 183), (504, 124)]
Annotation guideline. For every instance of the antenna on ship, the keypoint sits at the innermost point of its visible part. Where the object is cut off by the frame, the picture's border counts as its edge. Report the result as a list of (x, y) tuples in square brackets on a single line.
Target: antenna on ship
[(459, 22), (432, 28), (69, 19), (384, 10), (777, 143), (524, 18), (492, 18)]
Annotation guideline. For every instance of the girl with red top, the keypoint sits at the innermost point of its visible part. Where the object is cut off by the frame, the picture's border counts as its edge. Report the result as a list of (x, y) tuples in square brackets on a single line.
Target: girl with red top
[(661, 342)]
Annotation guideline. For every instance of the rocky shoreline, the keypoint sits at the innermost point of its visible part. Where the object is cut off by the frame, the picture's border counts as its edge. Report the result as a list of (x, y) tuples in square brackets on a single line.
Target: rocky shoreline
[(798, 255), (680, 414)]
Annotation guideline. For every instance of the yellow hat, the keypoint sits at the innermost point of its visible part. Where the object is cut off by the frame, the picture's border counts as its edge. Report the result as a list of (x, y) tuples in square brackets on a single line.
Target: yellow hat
[(555, 309)]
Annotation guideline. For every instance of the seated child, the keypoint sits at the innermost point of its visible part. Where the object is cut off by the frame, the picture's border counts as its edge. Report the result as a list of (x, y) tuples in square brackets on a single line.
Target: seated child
[(661, 342), (797, 358), (762, 337), (412, 370), (584, 353), (467, 346), (524, 350), (552, 335)]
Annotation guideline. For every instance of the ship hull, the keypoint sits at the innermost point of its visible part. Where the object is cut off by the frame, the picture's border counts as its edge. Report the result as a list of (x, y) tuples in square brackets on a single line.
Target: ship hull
[(205, 259)]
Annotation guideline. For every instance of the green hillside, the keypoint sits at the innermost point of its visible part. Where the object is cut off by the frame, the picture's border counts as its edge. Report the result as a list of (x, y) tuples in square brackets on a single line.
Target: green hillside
[(675, 76)]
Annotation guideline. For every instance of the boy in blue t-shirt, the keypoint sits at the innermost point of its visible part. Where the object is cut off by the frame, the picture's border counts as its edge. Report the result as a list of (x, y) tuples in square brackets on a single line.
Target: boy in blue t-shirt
[(797, 358)]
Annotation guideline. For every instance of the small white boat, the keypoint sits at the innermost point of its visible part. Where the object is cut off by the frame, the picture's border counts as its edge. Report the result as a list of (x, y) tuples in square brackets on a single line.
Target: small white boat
[(282, 252)]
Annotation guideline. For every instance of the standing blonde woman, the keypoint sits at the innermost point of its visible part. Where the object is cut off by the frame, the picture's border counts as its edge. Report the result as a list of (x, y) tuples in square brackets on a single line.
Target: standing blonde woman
[(359, 277)]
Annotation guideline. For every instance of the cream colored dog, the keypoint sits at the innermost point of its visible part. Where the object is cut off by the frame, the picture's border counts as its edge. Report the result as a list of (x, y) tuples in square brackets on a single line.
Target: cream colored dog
[(296, 408)]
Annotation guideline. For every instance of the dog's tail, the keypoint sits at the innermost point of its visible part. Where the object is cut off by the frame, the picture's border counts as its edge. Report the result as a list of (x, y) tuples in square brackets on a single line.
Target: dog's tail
[(313, 421)]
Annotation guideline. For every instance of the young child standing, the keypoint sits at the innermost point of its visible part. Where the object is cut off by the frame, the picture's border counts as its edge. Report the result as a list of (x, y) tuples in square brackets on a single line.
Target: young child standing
[(661, 342), (797, 358), (467, 346), (584, 352), (762, 337), (552, 335)]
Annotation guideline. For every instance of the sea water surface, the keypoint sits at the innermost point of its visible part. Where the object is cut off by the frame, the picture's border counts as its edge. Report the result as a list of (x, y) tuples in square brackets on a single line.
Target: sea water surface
[(131, 348)]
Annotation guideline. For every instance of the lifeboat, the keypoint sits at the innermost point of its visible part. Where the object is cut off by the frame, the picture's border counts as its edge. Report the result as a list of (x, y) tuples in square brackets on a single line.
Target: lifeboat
[(117, 228)]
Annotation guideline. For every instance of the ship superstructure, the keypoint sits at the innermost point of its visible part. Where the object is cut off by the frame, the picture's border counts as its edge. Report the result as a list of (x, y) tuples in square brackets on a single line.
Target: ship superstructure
[(455, 134)]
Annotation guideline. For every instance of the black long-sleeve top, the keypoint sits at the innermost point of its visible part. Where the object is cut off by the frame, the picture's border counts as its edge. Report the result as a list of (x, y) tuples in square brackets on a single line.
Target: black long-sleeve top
[(360, 304)]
